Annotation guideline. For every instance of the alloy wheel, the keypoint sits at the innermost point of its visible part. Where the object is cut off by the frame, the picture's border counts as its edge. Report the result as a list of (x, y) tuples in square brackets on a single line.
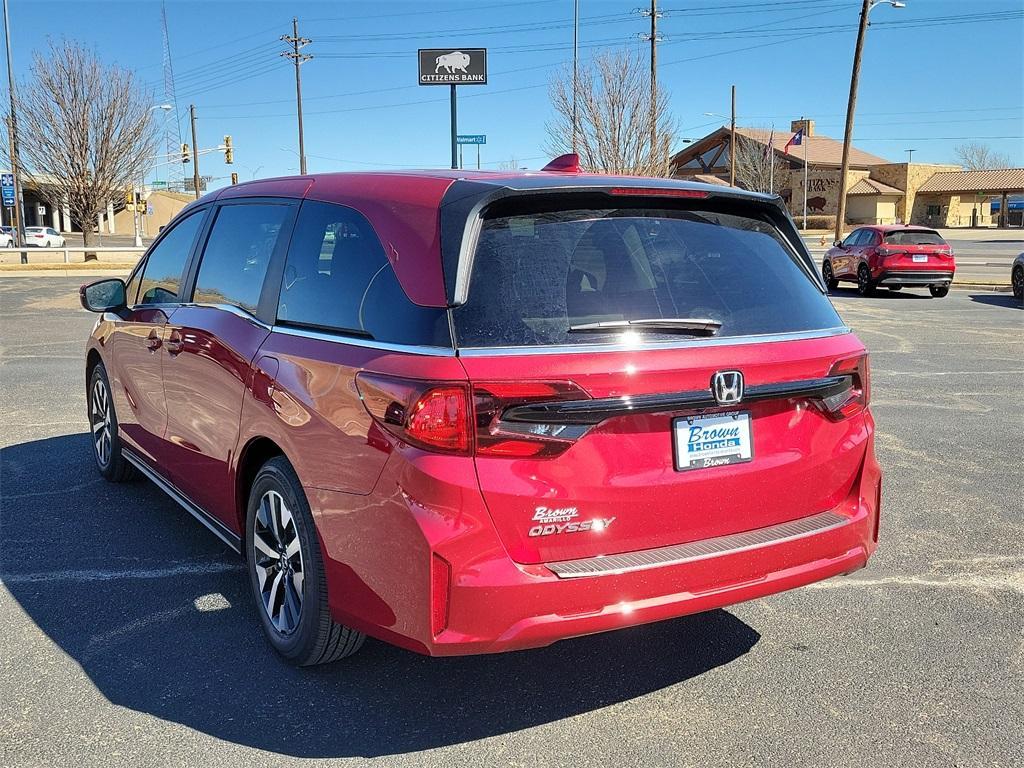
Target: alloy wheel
[(1018, 283), (277, 555), (101, 436), (863, 280)]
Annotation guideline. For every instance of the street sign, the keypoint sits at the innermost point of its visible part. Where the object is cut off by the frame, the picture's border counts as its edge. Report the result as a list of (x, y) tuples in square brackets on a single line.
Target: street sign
[(453, 66), (149, 209), (471, 138), (41, 210), (7, 185)]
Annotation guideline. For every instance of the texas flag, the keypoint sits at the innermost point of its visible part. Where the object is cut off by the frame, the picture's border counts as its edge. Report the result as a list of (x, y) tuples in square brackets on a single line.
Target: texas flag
[(796, 141)]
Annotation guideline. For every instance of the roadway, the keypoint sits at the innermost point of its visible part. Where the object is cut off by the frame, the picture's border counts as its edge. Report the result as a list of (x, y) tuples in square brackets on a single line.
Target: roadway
[(130, 638)]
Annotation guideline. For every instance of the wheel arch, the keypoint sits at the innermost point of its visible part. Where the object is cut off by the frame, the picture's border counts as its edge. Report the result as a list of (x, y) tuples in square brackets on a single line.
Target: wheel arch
[(254, 454), (92, 359)]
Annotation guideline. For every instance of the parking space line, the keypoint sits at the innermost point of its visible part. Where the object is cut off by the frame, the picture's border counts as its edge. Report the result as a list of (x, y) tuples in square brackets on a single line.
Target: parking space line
[(180, 569)]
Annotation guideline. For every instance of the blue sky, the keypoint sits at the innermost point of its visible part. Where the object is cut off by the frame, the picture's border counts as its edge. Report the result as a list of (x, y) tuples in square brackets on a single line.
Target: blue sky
[(930, 80)]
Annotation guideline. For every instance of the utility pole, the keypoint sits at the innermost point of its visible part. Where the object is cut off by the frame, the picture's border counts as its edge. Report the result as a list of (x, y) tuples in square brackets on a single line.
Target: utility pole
[(732, 141), (298, 59), (575, 75), (195, 150), (12, 127), (455, 127), (654, 40), (850, 107)]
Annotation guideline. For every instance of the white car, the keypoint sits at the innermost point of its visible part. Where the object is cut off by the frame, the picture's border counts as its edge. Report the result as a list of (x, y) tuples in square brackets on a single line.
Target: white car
[(43, 237), (6, 237)]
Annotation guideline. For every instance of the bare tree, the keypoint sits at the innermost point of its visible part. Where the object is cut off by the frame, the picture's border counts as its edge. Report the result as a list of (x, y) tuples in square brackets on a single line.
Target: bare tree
[(86, 131), (757, 168), (975, 156), (614, 117)]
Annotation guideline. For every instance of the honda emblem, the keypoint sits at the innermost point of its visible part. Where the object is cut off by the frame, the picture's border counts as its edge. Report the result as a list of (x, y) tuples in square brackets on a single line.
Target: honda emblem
[(727, 387)]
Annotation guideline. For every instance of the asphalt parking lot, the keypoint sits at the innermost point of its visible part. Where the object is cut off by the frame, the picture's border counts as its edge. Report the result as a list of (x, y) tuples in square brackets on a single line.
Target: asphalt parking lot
[(129, 638)]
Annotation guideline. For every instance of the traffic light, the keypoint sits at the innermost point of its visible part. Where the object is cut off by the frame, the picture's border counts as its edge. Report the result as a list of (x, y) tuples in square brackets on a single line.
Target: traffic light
[(229, 152), (129, 197), (234, 177), (185, 154)]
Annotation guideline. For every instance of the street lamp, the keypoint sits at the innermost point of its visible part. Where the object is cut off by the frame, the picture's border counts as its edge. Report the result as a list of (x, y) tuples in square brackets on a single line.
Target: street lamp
[(866, 9), (732, 137)]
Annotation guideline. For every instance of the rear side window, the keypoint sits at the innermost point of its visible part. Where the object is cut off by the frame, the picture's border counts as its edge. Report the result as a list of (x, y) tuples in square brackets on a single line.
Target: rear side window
[(337, 278), (238, 253), (914, 237), (536, 276), (161, 277)]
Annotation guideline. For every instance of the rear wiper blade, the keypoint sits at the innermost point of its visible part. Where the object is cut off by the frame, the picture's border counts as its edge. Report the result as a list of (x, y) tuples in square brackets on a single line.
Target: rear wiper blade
[(689, 325)]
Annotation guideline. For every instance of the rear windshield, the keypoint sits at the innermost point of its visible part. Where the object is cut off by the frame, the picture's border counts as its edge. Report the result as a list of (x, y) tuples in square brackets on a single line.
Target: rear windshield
[(914, 237), (535, 276)]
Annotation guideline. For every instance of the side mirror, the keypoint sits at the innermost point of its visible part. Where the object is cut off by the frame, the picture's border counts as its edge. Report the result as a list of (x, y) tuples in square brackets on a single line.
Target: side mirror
[(104, 295), (837, 243)]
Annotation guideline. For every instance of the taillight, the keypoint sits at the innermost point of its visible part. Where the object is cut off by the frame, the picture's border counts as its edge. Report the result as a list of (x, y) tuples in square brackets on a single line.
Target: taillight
[(498, 436), (849, 402), (430, 415), (451, 417), (883, 252)]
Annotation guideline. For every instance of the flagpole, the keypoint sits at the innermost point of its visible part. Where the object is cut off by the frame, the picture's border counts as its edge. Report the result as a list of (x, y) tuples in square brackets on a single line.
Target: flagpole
[(803, 140)]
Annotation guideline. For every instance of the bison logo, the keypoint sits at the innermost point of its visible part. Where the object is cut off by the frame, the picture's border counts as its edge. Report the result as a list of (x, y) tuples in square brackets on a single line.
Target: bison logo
[(816, 203), (450, 62)]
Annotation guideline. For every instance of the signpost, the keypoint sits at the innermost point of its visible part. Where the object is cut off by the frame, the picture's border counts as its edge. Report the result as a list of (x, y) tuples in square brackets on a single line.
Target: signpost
[(471, 138), (9, 200), (453, 67)]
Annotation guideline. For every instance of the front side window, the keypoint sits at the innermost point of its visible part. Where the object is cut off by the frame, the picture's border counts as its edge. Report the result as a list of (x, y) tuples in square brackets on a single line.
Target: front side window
[(238, 253), (161, 276), (338, 278), (554, 277), (853, 238)]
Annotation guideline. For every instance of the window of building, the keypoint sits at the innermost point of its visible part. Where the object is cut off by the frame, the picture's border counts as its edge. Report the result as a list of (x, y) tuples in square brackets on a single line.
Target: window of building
[(933, 210), (238, 253), (161, 276)]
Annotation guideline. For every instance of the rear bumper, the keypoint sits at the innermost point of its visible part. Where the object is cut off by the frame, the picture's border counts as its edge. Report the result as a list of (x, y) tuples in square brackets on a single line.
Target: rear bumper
[(915, 277), (379, 556)]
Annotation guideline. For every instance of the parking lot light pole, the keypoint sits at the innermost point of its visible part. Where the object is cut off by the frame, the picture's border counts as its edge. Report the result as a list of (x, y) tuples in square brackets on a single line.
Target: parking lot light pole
[(852, 105), (12, 127)]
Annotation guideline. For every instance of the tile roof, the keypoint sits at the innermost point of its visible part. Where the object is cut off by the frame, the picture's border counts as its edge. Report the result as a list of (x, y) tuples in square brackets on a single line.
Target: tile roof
[(821, 150), (1002, 180), (707, 178), (870, 186)]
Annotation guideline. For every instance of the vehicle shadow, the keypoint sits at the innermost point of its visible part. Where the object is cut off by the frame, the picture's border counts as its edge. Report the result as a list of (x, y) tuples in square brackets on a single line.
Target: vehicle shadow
[(997, 300), (156, 612), (881, 293)]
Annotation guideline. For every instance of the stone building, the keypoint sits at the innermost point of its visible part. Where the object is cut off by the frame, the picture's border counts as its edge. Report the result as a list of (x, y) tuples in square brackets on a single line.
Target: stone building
[(878, 191)]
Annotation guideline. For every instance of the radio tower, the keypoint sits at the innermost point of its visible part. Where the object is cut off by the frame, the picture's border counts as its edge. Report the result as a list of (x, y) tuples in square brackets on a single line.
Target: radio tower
[(172, 126)]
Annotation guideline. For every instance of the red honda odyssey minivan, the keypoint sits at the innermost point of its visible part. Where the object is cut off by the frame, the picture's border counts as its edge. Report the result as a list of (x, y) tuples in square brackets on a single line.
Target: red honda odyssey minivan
[(468, 412)]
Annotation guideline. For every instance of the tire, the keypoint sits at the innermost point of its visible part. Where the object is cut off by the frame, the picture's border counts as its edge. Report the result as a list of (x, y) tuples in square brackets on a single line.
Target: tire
[(826, 274), (284, 584), (1017, 278), (865, 286), (938, 291), (106, 439)]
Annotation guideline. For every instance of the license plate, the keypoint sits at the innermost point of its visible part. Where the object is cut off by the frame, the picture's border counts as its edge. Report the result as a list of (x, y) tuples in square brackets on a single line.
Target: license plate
[(920, 258), (711, 441)]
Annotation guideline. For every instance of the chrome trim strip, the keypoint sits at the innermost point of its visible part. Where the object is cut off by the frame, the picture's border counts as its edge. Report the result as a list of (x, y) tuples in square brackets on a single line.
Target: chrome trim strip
[(608, 565), (216, 526), (565, 349), (230, 308), (383, 346)]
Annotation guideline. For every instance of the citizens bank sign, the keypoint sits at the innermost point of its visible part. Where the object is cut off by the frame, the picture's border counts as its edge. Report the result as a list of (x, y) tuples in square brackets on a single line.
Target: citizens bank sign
[(449, 66)]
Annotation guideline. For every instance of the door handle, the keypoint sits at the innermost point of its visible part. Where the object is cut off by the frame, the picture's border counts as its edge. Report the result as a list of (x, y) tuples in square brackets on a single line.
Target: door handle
[(175, 343), (153, 341)]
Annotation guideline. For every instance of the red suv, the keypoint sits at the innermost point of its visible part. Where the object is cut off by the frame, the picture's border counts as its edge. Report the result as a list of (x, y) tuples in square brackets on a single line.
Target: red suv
[(891, 257), (473, 412)]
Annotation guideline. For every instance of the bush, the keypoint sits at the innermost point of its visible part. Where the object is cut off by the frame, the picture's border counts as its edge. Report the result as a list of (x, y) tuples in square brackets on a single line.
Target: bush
[(816, 221)]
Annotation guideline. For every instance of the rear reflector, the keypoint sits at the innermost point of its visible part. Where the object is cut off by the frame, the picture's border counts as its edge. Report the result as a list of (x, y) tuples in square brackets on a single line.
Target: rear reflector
[(658, 192), (440, 588)]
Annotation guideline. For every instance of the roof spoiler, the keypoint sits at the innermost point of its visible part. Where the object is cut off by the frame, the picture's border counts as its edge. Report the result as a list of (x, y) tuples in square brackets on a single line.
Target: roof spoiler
[(567, 163)]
